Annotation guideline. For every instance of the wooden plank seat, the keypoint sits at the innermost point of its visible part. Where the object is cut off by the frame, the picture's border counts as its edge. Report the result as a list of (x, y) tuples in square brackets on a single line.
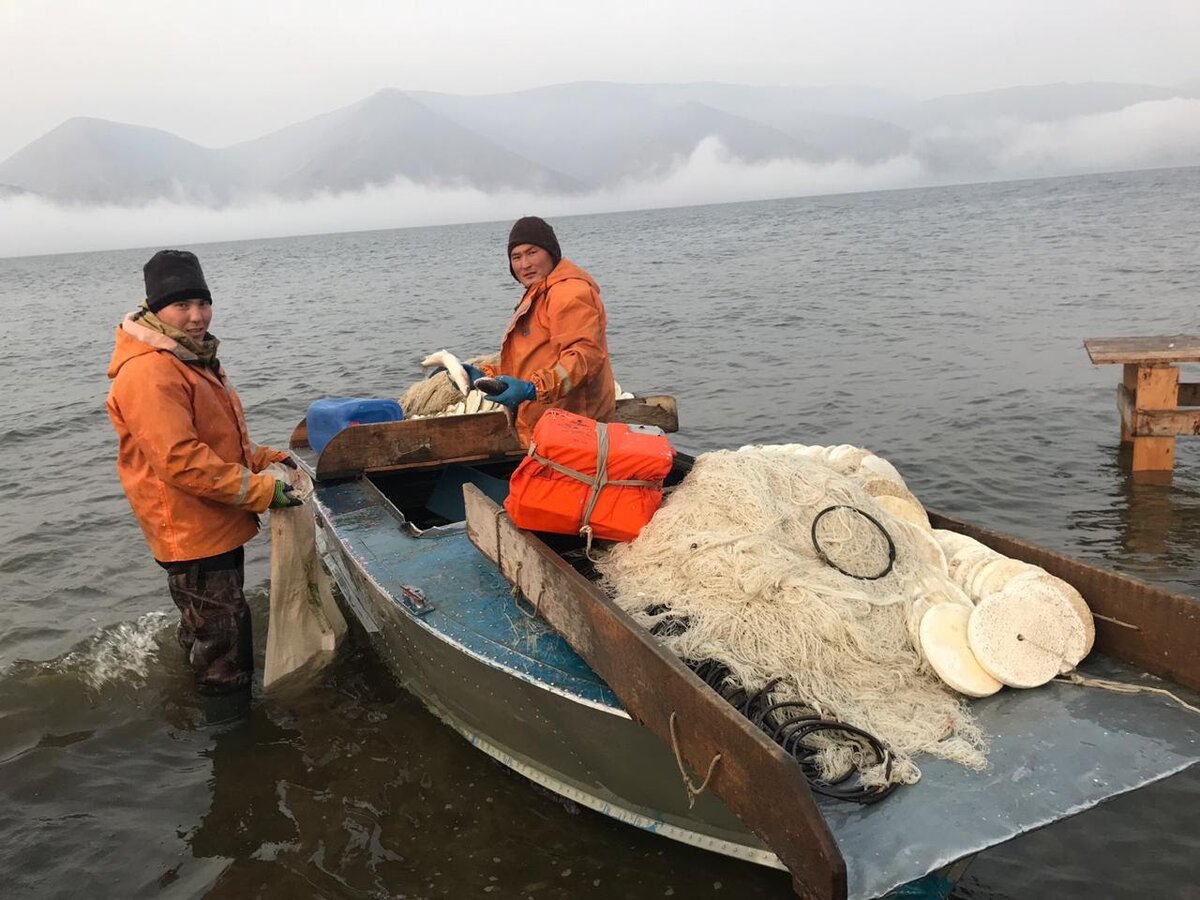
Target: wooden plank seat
[(438, 440), (1155, 406)]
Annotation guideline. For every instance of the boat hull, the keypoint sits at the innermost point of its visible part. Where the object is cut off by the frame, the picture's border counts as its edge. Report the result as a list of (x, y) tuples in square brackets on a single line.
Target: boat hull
[(571, 737)]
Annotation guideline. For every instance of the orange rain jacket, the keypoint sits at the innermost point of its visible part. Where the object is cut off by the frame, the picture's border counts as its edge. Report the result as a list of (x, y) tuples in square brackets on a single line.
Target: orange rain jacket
[(185, 459), (556, 339)]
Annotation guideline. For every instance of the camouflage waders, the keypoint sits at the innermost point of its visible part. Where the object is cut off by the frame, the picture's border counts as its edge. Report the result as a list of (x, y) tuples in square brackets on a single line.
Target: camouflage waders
[(214, 620)]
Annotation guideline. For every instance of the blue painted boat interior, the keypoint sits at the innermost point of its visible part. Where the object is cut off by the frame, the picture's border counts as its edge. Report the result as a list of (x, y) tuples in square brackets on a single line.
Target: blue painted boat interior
[(472, 604)]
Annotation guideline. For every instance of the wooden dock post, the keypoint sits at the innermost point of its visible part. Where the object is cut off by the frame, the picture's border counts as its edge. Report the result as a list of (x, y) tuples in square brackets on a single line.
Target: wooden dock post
[(1152, 401)]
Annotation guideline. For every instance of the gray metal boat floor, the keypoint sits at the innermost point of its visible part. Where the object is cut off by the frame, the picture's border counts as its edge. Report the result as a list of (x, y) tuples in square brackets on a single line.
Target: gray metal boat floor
[(1055, 751)]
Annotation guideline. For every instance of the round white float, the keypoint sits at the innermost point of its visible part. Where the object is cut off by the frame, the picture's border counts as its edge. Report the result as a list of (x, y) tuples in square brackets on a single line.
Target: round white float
[(1019, 640), (944, 644)]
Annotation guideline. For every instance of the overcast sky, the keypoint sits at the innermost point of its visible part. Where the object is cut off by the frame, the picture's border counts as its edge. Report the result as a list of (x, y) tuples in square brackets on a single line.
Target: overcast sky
[(218, 71)]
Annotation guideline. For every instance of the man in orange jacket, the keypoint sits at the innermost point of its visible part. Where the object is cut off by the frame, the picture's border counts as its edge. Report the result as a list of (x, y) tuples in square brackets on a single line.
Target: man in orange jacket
[(555, 350), (188, 466)]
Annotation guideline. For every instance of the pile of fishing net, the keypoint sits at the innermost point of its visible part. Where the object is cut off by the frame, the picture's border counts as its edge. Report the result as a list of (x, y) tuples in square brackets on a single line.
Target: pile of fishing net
[(447, 392), (805, 576)]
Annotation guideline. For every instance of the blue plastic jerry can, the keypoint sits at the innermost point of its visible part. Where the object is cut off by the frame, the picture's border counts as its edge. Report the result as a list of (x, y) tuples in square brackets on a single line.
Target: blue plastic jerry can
[(328, 416)]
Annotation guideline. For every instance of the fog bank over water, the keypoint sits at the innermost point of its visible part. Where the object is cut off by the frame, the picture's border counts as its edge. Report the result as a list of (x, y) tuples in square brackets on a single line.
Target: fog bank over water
[(30, 225), (1164, 133)]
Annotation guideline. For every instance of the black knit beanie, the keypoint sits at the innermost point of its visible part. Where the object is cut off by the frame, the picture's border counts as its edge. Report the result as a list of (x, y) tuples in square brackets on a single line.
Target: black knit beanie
[(536, 231), (174, 275)]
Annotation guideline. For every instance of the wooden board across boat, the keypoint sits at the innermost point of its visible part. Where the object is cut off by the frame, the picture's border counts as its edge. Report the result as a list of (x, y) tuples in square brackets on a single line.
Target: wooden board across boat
[(575, 696)]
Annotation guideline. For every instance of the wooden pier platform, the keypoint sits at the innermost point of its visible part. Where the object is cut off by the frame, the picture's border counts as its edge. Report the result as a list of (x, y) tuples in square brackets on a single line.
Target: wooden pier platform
[(1153, 403)]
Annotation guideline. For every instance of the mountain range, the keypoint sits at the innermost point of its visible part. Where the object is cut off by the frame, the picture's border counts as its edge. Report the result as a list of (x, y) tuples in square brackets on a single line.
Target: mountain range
[(564, 139)]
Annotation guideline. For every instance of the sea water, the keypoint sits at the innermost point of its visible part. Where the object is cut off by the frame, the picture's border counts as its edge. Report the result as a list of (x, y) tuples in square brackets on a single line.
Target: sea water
[(942, 328)]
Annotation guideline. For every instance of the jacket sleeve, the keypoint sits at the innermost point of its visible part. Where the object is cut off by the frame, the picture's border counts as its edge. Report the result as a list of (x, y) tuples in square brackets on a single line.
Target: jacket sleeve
[(577, 326), (261, 457), (158, 413)]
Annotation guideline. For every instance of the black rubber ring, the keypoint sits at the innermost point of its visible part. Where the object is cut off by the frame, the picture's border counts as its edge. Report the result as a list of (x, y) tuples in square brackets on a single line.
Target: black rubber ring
[(829, 562)]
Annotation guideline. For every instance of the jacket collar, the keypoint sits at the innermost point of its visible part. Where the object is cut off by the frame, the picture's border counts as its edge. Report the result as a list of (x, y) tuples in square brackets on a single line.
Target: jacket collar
[(564, 271), (151, 340), (155, 339)]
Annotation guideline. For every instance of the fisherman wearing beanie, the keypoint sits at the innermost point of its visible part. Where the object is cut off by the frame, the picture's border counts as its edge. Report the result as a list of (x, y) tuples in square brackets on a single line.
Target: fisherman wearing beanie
[(536, 232), (172, 275), (555, 349), (189, 469)]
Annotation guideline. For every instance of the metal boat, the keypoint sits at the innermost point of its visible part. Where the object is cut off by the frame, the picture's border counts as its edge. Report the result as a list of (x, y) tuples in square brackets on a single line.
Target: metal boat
[(489, 627)]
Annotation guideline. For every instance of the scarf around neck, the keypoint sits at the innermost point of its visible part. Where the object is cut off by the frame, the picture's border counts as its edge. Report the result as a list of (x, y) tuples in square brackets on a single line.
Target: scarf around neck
[(205, 350)]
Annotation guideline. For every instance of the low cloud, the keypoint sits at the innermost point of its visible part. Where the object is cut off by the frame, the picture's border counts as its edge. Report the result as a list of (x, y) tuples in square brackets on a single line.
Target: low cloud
[(1153, 134), (30, 225), (1160, 133)]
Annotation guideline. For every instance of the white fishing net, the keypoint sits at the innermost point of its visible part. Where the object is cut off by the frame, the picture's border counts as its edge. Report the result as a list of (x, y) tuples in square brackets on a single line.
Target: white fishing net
[(731, 556), (305, 627), (437, 395)]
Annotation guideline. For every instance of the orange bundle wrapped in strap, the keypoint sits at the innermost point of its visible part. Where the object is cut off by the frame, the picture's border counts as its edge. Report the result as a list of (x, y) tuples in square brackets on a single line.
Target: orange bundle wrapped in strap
[(591, 478)]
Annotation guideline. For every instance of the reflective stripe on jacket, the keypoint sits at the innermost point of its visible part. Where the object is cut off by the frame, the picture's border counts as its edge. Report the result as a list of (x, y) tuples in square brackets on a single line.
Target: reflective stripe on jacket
[(556, 339), (184, 456)]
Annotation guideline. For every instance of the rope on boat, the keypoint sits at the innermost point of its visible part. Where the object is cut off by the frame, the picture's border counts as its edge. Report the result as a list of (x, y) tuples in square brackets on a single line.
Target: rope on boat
[(517, 594), (516, 591), (1121, 687), (692, 791), (1096, 615)]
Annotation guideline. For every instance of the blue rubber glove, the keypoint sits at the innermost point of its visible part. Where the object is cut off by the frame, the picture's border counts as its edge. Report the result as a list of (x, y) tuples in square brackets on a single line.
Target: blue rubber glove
[(515, 393), (473, 374)]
